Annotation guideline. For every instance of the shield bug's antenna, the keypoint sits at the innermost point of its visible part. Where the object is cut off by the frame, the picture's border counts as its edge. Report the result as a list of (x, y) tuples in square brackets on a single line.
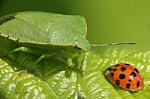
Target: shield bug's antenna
[(115, 43)]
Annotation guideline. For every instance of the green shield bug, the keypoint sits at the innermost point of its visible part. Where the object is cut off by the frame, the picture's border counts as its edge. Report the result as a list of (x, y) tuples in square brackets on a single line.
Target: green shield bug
[(45, 35), (62, 37)]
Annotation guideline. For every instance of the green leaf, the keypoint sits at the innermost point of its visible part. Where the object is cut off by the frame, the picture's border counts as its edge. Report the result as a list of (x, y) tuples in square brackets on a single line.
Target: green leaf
[(53, 79), (20, 84)]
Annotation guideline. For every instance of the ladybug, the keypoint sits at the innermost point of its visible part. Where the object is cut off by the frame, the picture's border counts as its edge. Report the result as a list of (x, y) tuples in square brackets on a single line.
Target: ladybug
[(125, 76)]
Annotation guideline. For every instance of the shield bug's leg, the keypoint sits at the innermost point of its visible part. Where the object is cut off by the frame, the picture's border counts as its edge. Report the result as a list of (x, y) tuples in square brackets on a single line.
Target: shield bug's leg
[(25, 49), (42, 57), (52, 55), (30, 51), (20, 49), (70, 63)]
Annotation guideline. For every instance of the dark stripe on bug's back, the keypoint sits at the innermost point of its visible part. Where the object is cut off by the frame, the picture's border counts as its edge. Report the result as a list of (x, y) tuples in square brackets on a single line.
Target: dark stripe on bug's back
[(133, 74), (117, 82), (7, 18), (122, 76), (136, 70), (138, 84), (123, 68), (128, 86)]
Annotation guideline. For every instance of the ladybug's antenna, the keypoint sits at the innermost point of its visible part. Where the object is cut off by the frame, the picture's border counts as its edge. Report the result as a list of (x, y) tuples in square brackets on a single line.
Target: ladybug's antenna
[(111, 44)]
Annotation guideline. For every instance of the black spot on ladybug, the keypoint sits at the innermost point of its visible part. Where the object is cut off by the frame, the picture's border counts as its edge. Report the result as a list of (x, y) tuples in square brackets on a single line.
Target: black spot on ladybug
[(114, 69), (122, 76), (128, 85), (112, 74), (123, 68), (129, 80), (136, 70), (117, 82), (138, 84), (133, 74), (117, 65)]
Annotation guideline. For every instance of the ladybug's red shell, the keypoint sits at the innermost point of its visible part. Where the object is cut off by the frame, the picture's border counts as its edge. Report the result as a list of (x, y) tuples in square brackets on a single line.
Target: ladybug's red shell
[(126, 76)]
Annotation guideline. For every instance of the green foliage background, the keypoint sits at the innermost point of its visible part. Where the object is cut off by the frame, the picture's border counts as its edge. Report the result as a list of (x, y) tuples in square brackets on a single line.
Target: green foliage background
[(108, 21)]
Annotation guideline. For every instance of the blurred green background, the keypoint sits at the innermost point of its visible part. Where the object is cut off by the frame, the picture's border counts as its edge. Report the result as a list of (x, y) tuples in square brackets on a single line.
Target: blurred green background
[(108, 20)]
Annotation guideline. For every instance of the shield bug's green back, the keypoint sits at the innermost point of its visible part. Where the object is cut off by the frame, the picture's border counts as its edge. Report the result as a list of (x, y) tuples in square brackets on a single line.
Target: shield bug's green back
[(60, 37), (46, 28)]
